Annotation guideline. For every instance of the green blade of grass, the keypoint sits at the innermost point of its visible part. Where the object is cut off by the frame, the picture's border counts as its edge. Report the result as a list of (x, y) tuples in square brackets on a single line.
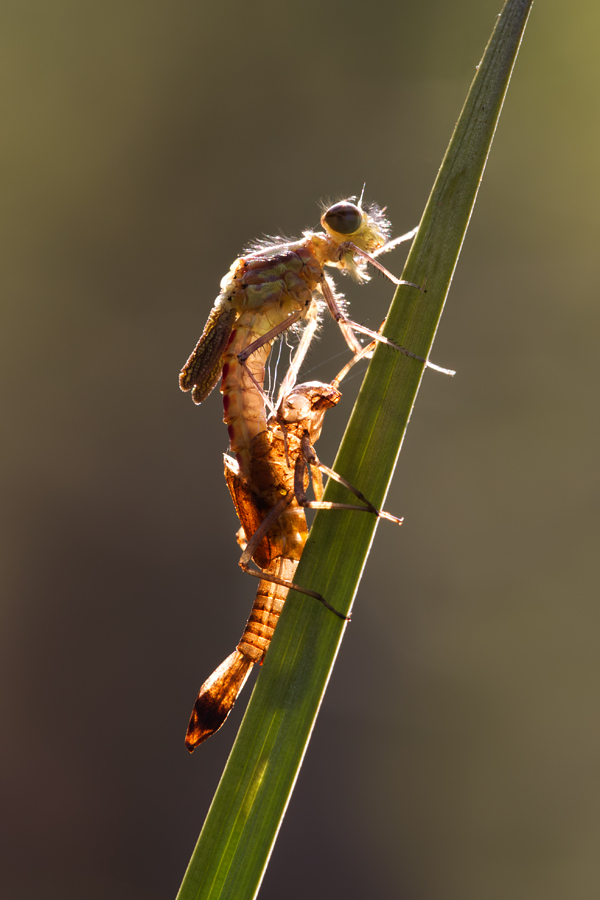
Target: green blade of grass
[(246, 813)]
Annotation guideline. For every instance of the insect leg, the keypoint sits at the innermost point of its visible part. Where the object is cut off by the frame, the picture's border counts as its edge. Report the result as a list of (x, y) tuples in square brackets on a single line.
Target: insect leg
[(309, 457), (253, 545), (265, 397), (347, 326), (260, 342), (348, 245), (299, 356), (366, 351), (344, 323), (271, 335), (394, 243)]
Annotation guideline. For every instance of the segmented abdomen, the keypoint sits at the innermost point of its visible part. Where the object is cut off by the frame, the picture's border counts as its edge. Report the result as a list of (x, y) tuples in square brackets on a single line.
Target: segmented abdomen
[(271, 479), (266, 610)]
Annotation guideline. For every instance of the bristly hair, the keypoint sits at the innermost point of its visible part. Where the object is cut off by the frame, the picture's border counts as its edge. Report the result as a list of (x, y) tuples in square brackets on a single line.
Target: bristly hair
[(376, 213), (268, 243), (326, 202)]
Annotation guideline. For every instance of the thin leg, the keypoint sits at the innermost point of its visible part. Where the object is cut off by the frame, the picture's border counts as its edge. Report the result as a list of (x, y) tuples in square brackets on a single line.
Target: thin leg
[(266, 339), (308, 334), (366, 351), (266, 399), (349, 246), (347, 325), (271, 335), (380, 513), (383, 340), (352, 341), (394, 243), (253, 544), (309, 457), (265, 576)]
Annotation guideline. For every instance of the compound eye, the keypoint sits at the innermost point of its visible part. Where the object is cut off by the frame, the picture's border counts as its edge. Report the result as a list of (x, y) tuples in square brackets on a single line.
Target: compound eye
[(343, 218)]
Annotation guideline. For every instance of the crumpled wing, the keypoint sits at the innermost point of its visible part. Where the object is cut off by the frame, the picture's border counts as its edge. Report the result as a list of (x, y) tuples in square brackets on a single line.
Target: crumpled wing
[(203, 369), (247, 509)]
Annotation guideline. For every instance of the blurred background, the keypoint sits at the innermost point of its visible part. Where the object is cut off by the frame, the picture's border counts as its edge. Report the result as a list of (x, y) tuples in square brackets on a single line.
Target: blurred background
[(456, 754)]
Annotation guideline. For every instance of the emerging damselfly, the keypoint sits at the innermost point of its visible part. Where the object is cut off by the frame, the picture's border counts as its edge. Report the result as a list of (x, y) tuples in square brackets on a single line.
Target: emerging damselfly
[(268, 290)]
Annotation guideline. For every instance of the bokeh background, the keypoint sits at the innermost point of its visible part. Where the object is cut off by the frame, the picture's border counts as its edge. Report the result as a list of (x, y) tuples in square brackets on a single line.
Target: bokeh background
[(456, 754)]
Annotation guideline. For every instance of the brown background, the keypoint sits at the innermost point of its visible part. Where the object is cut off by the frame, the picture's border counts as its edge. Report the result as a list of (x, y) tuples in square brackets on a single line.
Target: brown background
[(144, 144)]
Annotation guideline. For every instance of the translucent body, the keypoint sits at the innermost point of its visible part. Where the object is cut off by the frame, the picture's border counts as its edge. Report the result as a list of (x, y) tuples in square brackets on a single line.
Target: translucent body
[(271, 478), (265, 292)]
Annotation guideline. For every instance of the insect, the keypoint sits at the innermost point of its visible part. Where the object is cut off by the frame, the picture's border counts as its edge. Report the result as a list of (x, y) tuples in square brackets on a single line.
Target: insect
[(268, 290), (270, 503)]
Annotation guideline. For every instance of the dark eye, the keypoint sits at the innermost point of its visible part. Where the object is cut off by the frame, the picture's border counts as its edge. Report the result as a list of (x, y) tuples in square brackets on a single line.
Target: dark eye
[(343, 218)]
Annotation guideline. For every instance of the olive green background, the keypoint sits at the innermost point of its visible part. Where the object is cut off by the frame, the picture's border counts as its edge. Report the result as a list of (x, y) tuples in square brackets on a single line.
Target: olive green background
[(456, 754)]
